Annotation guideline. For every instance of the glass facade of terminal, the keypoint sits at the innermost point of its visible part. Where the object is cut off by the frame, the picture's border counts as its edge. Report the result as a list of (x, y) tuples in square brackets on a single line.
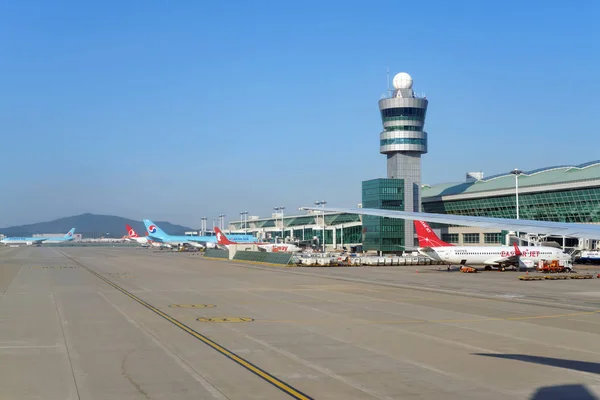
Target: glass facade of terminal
[(578, 205), (492, 238), (347, 231), (383, 234), (450, 237), (388, 235), (343, 234)]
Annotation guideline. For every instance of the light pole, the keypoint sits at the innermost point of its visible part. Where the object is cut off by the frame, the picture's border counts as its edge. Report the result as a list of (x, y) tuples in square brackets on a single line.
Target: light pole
[(280, 208), (282, 225), (244, 220), (516, 172), (203, 228), (221, 221), (276, 212), (322, 203)]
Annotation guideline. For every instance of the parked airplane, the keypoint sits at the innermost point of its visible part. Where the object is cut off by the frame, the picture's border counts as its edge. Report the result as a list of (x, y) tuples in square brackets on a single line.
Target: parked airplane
[(37, 240), (570, 229), (589, 257), (224, 241), (430, 245), (158, 235), (67, 238), (132, 235)]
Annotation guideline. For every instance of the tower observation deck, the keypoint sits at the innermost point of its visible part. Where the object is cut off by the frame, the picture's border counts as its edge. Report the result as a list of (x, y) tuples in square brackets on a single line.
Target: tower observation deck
[(403, 140)]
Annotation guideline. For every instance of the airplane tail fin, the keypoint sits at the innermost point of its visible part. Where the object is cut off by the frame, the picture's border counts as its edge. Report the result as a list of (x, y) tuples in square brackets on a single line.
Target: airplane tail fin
[(130, 231), (70, 234), (153, 229), (221, 238), (517, 250), (427, 237)]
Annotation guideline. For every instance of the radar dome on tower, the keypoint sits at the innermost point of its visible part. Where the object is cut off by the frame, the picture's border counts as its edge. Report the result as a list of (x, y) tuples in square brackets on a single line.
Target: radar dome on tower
[(402, 80)]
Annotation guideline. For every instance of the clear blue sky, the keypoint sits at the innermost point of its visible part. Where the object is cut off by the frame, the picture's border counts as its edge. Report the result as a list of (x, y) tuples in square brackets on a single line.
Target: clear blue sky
[(178, 110)]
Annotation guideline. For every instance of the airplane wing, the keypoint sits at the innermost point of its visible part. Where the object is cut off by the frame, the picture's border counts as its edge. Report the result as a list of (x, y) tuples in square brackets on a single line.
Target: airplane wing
[(515, 261), (503, 260), (588, 231)]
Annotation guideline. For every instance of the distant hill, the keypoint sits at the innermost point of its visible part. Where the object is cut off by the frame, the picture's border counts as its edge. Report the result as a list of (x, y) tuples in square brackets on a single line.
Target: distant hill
[(91, 226)]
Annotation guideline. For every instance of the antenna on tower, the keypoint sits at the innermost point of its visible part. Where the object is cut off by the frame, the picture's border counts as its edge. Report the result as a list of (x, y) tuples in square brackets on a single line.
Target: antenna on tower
[(387, 77)]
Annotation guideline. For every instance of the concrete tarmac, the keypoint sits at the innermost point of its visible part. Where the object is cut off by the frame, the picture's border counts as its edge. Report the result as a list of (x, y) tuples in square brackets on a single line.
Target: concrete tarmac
[(109, 323)]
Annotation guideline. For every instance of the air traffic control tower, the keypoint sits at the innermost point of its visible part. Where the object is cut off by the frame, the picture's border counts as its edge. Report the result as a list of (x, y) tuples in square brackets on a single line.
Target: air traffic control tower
[(403, 140)]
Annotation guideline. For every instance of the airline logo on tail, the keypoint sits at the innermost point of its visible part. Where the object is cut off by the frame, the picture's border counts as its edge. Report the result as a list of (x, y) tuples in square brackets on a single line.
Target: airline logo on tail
[(221, 238), (153, 229), (130, 231), (427, 237)]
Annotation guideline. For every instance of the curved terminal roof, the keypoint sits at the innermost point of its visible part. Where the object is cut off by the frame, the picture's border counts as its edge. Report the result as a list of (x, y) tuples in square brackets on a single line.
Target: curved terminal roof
[(537, 177)]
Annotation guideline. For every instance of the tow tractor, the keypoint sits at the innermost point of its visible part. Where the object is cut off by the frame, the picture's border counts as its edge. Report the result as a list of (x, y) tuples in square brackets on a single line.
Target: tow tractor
[(553, 266)]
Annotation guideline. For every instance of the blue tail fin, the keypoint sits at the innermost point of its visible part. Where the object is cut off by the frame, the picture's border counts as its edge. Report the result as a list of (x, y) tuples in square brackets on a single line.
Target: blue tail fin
[(153, 229), (69, 234)]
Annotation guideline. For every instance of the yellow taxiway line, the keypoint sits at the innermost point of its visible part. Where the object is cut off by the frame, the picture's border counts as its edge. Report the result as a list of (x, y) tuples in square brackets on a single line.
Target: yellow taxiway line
[(273, 380)]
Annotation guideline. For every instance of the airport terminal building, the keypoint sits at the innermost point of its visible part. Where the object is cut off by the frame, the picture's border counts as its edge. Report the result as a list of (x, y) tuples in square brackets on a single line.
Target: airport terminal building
[(566, 193), (338, 230)]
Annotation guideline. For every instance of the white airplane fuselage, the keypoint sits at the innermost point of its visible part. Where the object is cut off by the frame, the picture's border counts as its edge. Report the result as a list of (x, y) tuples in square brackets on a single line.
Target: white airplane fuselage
[(144, 242), (489, 255), (25, 241), (279, 247), (179, 243), (56, 241)]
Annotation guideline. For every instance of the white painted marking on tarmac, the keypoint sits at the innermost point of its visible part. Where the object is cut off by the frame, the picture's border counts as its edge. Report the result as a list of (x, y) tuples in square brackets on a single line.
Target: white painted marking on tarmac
[(182, 363), (323, 370), (521, 338), (592, 294), (463, 291), (457, 377), (55, 346), (62, 323), (583, 321)]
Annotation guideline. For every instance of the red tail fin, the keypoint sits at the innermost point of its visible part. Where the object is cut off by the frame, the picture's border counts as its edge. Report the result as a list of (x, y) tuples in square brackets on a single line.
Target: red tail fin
[(221, 238), (517, 250), (130, 231), (427, 237)]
